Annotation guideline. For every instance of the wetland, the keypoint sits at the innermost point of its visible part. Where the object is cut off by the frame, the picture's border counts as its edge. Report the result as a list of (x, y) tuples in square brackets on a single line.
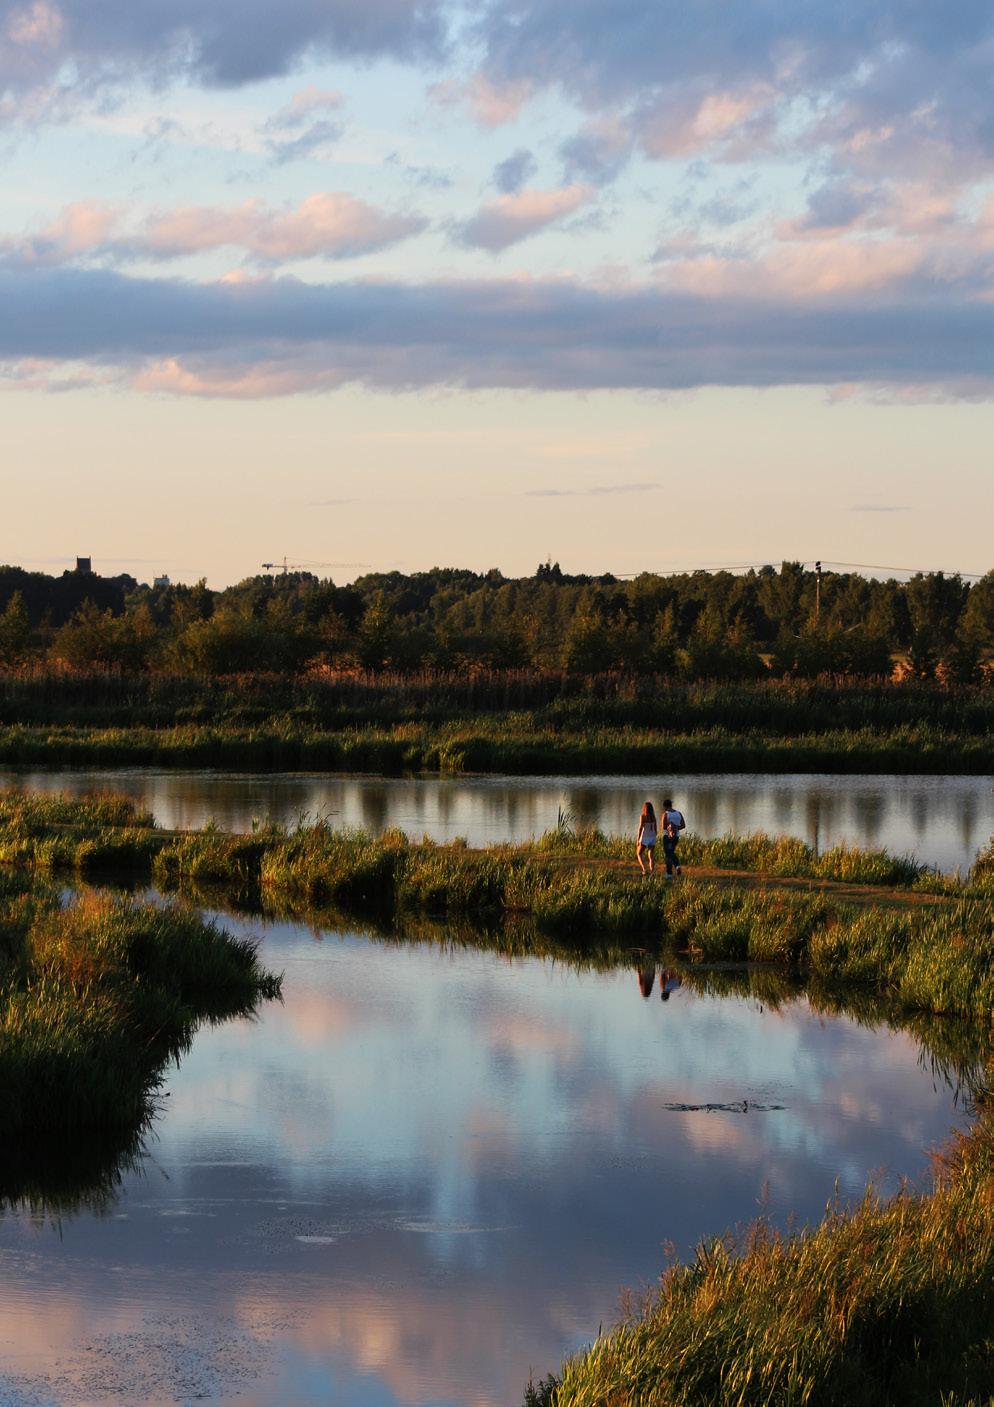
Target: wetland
[(480, 1115)]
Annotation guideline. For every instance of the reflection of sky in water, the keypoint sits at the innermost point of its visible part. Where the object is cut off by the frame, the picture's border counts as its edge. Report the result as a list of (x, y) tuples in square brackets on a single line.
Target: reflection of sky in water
[(427, 1173), (942, 820)]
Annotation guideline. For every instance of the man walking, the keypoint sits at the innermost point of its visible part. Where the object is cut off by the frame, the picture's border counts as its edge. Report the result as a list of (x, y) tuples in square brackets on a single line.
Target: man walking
[(673, 824)]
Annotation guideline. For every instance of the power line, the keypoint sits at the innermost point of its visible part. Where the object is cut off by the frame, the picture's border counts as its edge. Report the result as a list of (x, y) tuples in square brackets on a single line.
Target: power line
[(926, 571), (747, 566), (685, 571)]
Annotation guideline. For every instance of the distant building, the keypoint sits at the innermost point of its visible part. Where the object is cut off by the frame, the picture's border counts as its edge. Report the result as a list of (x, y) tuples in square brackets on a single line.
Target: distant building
[(160, 581), (83, 566)]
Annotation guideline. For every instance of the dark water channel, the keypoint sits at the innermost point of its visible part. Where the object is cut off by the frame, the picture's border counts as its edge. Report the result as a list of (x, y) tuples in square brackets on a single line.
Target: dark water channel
[(941, 820), (430, 1171)]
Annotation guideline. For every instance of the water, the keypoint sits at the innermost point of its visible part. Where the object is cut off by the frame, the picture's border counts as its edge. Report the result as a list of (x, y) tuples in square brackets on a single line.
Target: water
[(428, 1173), (941, 820)]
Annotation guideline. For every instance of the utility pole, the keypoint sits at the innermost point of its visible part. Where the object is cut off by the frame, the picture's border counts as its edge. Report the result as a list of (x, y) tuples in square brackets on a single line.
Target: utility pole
[(817, 592)]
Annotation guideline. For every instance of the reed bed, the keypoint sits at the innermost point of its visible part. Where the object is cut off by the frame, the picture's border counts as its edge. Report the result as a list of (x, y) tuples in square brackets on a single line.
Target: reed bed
[(332, 699), (515, 745)]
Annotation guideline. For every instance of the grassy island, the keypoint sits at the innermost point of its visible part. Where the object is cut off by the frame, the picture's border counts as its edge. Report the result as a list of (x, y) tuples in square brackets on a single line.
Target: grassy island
[(848, 915)]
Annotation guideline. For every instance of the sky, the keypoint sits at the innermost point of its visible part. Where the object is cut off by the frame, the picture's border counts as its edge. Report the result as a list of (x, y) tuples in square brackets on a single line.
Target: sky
[(374, 284)]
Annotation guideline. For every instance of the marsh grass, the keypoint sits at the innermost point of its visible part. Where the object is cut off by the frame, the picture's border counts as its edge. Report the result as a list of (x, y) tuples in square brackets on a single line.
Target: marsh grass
[(523, 745)]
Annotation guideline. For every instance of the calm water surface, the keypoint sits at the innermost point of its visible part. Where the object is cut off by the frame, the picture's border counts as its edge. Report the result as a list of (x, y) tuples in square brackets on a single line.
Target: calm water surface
[(429, 1172), (941, 820)]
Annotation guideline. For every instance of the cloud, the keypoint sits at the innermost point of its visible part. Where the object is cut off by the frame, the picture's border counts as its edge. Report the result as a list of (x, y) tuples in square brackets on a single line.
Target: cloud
[(303, 105), (818, 269), (511, 218), (728, 206), (303, 128), (685, 123), (600, 51), (431, 177), (81, 228), (512, 173), (328, 224), (898, 87), (491, 104), (835, 206), (219, 43), (36, 26), (280, 336), (599, 150), (595, 492)]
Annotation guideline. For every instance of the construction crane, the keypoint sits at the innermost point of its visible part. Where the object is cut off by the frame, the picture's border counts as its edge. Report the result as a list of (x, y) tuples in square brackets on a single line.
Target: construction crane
[(286, 566)]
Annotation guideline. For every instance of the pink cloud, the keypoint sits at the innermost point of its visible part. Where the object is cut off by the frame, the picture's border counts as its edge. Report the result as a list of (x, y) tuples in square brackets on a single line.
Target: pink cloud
[(492, 104), (328, 224), (814, 269), (511, 218), (256, 381), (38, 25), (81, 228), (50, 375), (307, 101), (676, 127)]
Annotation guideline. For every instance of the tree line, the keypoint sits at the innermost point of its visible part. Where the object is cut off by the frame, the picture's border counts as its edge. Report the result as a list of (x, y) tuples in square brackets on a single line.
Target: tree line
[(698, 625)]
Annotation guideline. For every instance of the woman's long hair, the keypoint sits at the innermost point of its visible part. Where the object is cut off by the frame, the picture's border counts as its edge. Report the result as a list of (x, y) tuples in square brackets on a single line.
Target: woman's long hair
[(648, 814)]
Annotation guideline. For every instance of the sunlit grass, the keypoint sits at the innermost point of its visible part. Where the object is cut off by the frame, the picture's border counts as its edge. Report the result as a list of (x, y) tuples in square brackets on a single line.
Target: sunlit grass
[(890, 1302)]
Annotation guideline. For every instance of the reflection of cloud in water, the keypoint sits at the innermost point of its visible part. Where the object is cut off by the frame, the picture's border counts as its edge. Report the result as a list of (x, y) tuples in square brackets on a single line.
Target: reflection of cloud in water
[(428, 1172), (521, 1034), (318, 1020)]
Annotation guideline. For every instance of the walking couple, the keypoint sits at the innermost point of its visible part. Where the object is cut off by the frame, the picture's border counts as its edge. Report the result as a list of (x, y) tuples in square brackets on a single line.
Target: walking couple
[(645, 842)]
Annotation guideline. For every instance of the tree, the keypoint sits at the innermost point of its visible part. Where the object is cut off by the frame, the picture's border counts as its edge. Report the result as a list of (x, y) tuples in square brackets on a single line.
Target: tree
[(377, 634), (825, 649), (587, 646), (935, 604), (960, 662), (978, 615), (90, 639), (15, 631), (714, 652), (231, 642)]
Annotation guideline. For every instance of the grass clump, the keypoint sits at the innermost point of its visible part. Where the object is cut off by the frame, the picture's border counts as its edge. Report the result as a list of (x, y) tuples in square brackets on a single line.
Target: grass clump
[(95, 995), (101, 831)]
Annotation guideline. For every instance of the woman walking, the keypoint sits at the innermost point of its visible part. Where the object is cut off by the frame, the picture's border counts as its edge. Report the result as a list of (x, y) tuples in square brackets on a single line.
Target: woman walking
[(645, 841)]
